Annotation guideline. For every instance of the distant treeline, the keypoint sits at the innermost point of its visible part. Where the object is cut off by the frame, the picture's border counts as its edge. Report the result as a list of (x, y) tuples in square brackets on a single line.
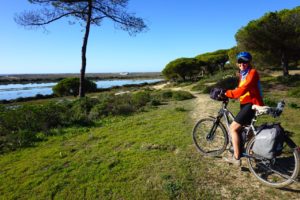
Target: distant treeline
[(44, 78)]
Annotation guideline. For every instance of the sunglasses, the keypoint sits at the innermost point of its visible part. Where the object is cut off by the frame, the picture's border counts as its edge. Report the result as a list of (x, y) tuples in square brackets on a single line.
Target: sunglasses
[(242, 61)]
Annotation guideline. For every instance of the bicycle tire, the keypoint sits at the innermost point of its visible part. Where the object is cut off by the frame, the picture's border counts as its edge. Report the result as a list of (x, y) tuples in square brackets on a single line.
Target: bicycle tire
[(217, 144), (282, 172)]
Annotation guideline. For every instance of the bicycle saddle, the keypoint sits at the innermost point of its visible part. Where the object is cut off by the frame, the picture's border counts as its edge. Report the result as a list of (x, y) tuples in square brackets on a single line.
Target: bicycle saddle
[(261, 109)]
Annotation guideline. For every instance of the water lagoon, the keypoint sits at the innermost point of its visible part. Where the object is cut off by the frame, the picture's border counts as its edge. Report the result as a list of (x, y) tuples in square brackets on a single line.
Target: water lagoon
[(14, 91)]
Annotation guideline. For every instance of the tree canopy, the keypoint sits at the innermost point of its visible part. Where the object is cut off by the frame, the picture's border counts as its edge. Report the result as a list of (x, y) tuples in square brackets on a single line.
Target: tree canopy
[(183, 69), (214, 60), (275, 37), (194, 68), (87, 13)]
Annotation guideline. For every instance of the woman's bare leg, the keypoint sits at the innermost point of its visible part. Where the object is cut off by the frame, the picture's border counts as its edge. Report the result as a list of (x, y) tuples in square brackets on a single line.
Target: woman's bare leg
[(234, 131)]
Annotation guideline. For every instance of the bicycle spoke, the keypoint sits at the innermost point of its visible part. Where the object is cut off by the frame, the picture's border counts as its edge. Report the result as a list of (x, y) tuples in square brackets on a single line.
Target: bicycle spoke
[(272, 170), (210, 139), (277, 172)]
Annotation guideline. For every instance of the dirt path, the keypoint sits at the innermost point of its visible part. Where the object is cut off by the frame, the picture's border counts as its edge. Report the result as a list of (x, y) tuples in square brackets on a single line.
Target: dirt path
[(203, 105)]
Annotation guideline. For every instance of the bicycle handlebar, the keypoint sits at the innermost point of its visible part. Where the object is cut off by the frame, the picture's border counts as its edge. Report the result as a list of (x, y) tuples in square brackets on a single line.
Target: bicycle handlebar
[(278, 110)]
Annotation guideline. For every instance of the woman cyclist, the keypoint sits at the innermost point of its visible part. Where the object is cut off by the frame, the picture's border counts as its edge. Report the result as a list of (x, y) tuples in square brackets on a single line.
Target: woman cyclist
[(249, 93)]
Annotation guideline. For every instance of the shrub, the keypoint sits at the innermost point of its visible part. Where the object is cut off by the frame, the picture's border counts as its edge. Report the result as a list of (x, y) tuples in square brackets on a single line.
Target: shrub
[(155, 102), (182, 95), (162, 94), (291, 80), (21, 138), (140, 99), (81, 109), (226, 83), (166, 94), (2, 108), (123, 109), (115, 105), (54, 115), (270, 102), (103, 107), (293, 105), (207, 82), (97, 111), (122, 105), (180, 109), (19, 125), (70, 86), (295, 92)]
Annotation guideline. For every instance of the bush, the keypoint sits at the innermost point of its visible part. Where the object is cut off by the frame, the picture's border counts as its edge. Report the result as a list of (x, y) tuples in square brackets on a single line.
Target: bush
[(270, 102), (140, 99), (70, 86), (97, 111), (155, 102), (162, 95), (182, 95), (19, 125), (293, 105), (123, 109), (180, 109), (115, 105), (81, 109), (123, 105), (295, 92), (291, 80), (228, 83), (103, 107), (22, 138), (166, 94)]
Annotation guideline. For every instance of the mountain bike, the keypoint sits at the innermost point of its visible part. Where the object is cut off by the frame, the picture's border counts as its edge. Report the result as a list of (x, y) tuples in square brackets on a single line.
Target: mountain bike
[(212, 138)]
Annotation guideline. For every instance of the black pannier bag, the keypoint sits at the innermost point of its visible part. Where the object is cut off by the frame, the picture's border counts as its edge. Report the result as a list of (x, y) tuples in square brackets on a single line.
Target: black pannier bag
[(218, 94), (269, 141)]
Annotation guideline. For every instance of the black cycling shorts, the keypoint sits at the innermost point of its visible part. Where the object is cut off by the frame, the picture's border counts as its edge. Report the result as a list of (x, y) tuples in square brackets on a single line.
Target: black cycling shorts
[(245, 115)]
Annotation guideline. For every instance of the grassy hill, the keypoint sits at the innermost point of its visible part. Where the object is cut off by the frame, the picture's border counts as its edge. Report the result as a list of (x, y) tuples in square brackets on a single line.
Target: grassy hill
[(147, 155)]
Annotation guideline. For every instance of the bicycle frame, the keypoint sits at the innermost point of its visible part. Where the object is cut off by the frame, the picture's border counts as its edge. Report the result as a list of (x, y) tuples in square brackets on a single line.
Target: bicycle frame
[(229, 117)]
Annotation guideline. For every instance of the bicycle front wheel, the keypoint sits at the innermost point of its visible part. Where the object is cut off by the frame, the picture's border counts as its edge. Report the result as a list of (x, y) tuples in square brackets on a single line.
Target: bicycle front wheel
[(277, 172), (210, 137)]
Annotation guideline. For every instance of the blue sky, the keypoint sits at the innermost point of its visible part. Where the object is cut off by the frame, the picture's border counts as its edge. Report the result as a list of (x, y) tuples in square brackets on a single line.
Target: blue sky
[(177, 28)]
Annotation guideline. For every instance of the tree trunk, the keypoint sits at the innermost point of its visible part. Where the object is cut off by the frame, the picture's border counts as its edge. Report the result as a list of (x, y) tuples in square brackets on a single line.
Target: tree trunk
[(83, 50), (285, 65)]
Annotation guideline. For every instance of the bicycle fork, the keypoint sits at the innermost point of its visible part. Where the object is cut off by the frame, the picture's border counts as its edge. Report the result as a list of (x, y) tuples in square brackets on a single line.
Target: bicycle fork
[(211, 135)]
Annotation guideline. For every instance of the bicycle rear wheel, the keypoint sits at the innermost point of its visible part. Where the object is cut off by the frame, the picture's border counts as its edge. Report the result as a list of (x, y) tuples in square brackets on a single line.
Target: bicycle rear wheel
[(277, 172), (210, 137)]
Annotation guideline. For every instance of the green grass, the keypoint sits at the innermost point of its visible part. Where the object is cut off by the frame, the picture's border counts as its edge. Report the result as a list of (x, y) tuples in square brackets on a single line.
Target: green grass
[(127, 157)]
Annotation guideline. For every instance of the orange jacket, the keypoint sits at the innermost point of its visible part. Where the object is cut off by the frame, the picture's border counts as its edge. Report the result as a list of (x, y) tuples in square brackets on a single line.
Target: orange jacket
[(248, 90)]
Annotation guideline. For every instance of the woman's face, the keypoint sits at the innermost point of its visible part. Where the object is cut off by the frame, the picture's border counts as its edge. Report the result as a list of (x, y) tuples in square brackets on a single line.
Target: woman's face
[(243, 65)]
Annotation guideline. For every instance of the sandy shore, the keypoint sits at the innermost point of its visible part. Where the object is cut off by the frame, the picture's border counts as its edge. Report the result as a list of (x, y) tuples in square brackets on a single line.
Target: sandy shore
[(38, 78)]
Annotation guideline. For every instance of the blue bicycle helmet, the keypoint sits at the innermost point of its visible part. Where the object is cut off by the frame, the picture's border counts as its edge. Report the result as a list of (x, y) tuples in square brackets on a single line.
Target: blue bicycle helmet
[(245, 56)]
